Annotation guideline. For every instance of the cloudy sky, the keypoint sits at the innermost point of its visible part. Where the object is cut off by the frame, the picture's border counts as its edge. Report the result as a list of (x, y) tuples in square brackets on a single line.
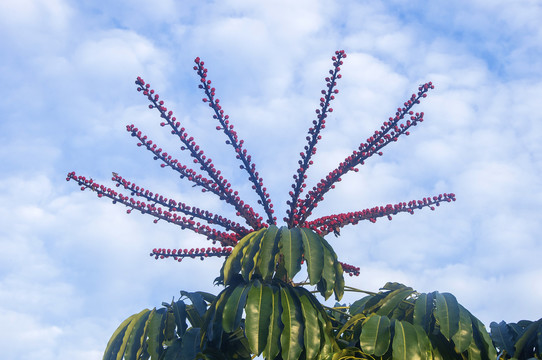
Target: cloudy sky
[(75, 266)]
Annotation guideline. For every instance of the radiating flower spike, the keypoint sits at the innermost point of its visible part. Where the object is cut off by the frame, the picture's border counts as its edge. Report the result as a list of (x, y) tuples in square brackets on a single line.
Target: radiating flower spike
[(389, 132), (174, 206), (224, 238), (216, 183), (333, 223), (313, 137), (234, 141)]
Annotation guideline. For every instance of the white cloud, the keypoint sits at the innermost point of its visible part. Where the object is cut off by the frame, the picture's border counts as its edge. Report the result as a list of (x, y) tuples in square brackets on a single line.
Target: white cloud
[(77, 263)]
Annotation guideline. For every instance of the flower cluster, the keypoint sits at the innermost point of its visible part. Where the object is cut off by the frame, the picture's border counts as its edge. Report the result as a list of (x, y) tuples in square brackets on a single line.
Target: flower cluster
[(350, 269), (334, 223), (170, 215), (389, 132), (191, 253), (215, 182), (209, 179), (234, 141), (313, 136)]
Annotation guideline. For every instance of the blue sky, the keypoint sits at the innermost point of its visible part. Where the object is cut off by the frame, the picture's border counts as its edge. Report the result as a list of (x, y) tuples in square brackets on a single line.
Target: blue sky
[(75, 266)]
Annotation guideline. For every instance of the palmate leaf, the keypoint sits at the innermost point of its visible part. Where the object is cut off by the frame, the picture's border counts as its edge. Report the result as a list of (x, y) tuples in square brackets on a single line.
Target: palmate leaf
[(279, 252), (157, 334), (281, 320), (444, 329)]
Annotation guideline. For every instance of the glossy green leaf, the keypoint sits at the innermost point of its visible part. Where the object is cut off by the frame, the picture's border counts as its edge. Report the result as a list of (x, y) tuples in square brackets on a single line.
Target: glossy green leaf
[(259, 312), (481, 336), (447, 314), (291, 245), (179, 311), (327, 283), (197, 301), (359, 305), (233, 310), (424, 344), (423, 311), (156, 334), (115, 342), (272, 348), (392, 300), (528, 339), (463, 337), (405, 342), (314, 254), (291, 339), (268, 250), (375, 335), (190, 344), (251, 255), (135, 340), (354, 321), (474, 351), (232, 265), (312, 335), (339, 281)]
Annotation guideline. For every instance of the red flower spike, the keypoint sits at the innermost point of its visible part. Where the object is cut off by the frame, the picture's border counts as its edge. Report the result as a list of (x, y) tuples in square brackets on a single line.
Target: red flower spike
[(235, 143), (392, 129), (220, 189), (202, 221), (314, 135)]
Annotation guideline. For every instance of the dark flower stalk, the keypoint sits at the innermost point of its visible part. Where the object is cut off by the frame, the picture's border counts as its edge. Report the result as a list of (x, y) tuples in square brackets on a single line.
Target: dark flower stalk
[(233, 140), (193, 253), (178, 206), (226, 239), (210, 179), (333, 223), (313, 137), (389, 132), (216, 184), (203, 253)]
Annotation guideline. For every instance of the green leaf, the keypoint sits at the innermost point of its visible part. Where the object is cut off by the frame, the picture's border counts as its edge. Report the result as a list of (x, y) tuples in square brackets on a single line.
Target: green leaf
[(359, 305), (233, 310), (250, 256), (483, 341), (314, 254), (463, 337), (311, 335), (272, 348), (290, 243), (232, 265), (528, 337), (447, 314), (190, 344), (115, 341), (259, 312), (156, 334), (327, 283), (392, 300), (375, 335), (291, 339), (353, 321), (136, 339), (268, 250), (197, 300), (179, 310), (207, 296), (338, 287), (423, 309), (405, 342), (424, 344)]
